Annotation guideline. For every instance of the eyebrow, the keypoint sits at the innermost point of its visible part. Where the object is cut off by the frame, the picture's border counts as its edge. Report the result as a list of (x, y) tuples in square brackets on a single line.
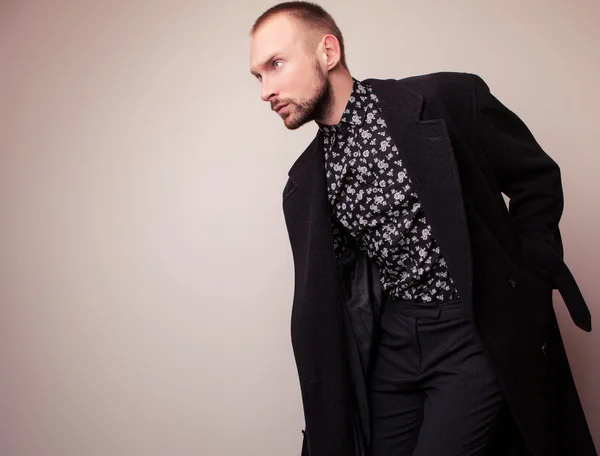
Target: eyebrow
[(266, 62)]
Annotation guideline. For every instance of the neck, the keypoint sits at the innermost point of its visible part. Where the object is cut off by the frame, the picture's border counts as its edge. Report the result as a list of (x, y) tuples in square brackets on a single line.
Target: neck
[(341, 89)]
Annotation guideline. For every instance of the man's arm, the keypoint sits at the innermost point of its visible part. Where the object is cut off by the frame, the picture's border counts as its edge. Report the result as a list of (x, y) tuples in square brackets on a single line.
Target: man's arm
[(525, 173)]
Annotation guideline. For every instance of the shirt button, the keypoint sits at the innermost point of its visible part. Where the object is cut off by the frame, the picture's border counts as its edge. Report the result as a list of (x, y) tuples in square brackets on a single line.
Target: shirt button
[(544, 348), (513, 282)]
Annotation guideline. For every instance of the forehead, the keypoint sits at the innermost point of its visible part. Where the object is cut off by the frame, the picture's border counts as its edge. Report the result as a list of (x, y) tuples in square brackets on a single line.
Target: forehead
[(280, 33)]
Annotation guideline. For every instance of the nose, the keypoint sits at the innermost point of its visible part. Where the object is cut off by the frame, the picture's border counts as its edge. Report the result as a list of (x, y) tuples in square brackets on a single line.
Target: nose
[(267, 91)]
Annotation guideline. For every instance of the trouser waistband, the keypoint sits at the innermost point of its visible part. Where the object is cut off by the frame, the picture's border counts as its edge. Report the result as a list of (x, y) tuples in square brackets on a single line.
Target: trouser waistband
[(446, 309)]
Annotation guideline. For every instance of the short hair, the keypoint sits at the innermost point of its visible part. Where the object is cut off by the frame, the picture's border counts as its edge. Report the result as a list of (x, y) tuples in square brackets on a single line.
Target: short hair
[(312, 16)]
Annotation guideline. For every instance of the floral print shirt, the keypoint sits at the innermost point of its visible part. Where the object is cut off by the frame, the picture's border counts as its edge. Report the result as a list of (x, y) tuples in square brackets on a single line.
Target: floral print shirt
[(372, 199)]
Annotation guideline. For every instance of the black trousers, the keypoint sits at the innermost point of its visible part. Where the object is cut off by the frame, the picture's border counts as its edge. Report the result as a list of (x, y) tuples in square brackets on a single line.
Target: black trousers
[(432, 391)]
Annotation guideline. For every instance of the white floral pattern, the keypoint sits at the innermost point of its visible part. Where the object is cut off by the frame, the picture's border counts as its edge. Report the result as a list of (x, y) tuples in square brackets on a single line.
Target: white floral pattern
[(373, 200)]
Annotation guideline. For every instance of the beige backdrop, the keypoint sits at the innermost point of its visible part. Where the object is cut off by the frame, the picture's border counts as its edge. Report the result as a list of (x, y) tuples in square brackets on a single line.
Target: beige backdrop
[(146, 276)]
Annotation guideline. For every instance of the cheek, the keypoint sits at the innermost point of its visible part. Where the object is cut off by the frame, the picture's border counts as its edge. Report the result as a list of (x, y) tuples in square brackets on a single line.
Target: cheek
[(296, 83)]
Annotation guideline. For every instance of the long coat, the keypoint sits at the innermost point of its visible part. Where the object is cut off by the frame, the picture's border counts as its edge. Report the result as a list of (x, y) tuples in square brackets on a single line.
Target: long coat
[(462, 149)]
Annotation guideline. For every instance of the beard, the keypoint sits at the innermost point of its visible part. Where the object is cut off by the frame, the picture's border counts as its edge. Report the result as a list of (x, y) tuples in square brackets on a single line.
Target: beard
[(314, 108)]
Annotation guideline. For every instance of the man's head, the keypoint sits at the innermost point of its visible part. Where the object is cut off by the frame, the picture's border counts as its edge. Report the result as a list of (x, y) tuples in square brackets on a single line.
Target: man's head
[(295, 46)]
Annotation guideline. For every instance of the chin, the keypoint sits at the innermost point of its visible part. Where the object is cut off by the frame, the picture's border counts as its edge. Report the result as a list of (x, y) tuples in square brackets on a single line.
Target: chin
[(289, 123), (292, 123), (292, 126)]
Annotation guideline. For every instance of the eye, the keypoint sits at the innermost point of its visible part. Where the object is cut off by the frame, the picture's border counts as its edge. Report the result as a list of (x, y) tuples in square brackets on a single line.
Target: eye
[(276, 63)]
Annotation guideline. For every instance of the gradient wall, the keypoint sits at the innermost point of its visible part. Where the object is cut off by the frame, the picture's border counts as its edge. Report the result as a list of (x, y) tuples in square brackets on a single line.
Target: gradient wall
[(145, 274)]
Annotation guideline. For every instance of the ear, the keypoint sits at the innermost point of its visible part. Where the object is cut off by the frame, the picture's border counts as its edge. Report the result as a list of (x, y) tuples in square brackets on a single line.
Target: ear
[(331, 51)]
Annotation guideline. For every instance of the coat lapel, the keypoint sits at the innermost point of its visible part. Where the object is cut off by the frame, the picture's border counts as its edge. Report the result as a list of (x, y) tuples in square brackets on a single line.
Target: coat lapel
[(427, 153), (307, 215)]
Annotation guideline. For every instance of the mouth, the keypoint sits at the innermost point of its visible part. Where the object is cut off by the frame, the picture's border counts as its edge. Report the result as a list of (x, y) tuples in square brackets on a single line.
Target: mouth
[(279, 108)]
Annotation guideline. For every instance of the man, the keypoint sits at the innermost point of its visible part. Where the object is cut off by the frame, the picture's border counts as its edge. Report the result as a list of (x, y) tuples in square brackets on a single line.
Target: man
[(422, 321)]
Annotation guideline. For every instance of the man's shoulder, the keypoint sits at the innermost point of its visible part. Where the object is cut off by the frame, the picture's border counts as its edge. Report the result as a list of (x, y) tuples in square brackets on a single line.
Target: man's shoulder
[(432, 83)]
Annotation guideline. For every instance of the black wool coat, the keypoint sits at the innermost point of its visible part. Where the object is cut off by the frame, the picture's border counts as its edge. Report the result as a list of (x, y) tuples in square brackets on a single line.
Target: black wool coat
[(462, 149)]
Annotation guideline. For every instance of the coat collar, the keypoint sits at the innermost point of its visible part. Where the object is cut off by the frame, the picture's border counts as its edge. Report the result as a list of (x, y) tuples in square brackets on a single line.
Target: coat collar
[(427, 153)]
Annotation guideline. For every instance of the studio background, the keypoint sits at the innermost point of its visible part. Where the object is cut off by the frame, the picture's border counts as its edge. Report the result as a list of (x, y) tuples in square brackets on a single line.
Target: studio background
[(146, 277)]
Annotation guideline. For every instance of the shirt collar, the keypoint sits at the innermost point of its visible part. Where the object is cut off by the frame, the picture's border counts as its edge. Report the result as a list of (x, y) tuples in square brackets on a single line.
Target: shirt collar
[(355, 110)]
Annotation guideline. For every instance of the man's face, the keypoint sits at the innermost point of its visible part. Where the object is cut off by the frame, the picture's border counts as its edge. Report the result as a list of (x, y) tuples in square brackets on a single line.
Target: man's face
[(291, 77)]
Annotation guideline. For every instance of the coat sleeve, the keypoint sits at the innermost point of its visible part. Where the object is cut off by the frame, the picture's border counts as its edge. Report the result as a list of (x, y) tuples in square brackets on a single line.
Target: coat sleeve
[(525, 173)]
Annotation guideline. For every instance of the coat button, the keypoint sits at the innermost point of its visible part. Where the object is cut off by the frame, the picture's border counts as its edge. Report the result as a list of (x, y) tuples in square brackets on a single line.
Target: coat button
[(513, 282), (544, 348)]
